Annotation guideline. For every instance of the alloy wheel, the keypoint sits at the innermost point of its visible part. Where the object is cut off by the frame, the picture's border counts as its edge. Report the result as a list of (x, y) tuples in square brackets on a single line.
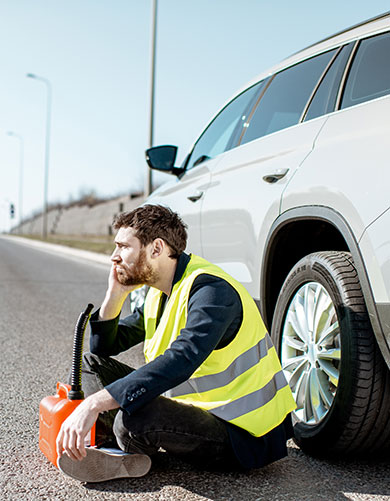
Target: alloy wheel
[(311, 352)]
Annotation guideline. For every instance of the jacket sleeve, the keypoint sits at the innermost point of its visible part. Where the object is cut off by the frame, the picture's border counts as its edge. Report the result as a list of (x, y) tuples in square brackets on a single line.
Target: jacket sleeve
[(110, 337), (214, 314)]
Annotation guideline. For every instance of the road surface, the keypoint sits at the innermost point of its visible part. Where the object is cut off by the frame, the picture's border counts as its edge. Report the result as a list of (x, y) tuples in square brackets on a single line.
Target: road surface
[(41, 296)]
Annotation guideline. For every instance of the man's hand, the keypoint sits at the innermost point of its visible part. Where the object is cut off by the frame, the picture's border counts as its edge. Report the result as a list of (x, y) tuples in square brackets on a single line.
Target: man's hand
[(114, 286), (115, 296), (75, 428)]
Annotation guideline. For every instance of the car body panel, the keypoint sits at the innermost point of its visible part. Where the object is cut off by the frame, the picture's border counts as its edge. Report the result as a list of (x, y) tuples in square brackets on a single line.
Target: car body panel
[(347, 166), (375, 246)]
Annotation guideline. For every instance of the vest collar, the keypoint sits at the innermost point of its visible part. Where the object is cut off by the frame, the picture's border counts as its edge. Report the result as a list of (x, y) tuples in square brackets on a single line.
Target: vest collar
[(182, 264)]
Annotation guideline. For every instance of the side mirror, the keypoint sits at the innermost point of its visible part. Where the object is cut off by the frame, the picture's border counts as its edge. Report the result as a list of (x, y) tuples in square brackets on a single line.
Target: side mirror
[(163, 158)]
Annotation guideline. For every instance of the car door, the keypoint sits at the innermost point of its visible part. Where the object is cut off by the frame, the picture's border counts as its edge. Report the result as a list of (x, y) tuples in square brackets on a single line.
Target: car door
[(244, 195), (184, 196), (186, 193)]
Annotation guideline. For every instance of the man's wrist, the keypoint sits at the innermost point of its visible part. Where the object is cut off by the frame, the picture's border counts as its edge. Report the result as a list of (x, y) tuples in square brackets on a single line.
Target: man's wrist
[(101, 401), (112, 304), (115, 296)]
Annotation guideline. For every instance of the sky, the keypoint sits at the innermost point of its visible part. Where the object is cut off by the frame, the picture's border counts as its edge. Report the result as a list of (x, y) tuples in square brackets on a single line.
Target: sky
[(96, 55)]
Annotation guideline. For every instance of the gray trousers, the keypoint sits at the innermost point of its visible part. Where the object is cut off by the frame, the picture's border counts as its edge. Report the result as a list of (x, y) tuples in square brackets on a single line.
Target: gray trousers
[(188, 432)]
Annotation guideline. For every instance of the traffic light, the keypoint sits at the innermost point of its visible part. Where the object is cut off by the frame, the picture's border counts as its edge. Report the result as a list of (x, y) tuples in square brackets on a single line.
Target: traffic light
[(12, 210)]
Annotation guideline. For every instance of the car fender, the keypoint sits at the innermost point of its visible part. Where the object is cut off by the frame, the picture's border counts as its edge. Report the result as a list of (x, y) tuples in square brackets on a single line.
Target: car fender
[(332, 217)]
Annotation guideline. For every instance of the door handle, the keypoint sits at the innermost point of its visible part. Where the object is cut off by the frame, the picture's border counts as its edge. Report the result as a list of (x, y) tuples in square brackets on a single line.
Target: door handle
[(274, 177), (195, 198)]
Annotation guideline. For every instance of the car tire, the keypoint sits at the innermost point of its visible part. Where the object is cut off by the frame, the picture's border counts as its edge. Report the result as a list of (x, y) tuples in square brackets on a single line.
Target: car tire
[(330, 357)]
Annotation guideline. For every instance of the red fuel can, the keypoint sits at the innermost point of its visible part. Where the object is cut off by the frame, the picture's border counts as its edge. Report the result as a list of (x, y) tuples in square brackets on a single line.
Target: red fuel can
[(53, 410)]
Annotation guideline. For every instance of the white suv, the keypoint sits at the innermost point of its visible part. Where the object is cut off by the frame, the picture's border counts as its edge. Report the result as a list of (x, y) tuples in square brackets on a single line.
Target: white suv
[(287, 189)]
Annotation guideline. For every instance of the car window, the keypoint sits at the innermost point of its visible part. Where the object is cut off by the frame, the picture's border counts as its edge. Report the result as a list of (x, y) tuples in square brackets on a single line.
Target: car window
[(324, 99), (217, 137), (285, 99), (369, 76)]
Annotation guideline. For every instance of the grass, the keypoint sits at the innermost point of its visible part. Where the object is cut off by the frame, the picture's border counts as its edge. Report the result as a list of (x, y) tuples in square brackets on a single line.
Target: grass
[(95, 243)]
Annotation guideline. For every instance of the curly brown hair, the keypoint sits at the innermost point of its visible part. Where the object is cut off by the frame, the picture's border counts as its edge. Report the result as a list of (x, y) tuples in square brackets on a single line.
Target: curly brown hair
[(155, 221)]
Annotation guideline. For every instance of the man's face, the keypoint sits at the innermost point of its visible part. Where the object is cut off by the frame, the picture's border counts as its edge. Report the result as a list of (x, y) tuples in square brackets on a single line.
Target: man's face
[(130, 260)]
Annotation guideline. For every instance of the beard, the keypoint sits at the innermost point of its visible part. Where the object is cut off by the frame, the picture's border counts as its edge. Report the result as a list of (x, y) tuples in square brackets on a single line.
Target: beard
[(140, 274)]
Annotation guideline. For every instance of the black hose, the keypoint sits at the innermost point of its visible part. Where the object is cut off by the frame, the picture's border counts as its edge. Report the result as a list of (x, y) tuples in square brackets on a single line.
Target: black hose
[(76, 393)]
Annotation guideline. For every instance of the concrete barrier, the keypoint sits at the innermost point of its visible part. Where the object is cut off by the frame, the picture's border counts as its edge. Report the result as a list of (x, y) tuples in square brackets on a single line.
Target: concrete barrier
[(82, 220)]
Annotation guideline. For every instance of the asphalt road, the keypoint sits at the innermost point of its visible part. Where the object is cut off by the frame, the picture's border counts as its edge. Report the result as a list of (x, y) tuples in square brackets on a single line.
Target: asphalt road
[(41, 296)]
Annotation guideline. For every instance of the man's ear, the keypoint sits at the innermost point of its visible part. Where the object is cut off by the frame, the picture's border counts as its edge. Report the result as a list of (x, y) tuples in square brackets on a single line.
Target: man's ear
[(157, 247)]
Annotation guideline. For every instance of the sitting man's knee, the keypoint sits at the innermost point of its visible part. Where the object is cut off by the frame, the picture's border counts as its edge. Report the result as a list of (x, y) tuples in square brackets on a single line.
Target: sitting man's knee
[(130, 437), (92, 361), (89, 358)]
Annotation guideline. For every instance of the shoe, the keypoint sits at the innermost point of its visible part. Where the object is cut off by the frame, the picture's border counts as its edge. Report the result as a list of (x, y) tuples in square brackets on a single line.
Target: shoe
[(103, 464)]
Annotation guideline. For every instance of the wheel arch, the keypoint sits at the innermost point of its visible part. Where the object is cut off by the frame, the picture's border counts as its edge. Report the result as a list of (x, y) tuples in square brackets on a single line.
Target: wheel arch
[(301, 231)]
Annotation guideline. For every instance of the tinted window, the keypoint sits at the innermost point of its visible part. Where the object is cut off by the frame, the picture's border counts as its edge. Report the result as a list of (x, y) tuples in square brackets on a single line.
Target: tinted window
[(324, 100), (285, 99), (217, 137), (369, 77)]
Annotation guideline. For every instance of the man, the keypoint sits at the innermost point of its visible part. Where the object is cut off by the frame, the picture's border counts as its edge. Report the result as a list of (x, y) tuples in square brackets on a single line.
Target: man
[(212, 391)]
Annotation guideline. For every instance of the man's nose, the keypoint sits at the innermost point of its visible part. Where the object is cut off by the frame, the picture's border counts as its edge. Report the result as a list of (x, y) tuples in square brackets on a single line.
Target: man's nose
[(115, 257)]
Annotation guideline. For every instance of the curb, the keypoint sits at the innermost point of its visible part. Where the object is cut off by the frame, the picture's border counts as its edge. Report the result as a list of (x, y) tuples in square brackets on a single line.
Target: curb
[(96, 257)]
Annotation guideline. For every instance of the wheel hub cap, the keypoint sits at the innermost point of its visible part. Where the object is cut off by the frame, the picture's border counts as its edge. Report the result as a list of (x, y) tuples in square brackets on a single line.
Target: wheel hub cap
[(310, 351)]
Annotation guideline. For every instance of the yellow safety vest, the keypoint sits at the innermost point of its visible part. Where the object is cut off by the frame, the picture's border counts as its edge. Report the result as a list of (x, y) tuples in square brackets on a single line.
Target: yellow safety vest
[(243, 382)]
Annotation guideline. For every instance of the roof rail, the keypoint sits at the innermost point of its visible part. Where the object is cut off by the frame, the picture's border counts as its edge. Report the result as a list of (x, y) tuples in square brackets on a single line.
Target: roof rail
[(380, 16)]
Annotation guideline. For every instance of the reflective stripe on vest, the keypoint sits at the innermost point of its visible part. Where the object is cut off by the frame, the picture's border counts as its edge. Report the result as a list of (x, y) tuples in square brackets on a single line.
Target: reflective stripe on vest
[(253, 401), (241, 383), (241, 364)]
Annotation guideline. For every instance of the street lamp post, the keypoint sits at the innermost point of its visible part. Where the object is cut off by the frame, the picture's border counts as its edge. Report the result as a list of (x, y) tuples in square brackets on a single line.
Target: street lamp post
[(148, 180), (47, 149), (20, 201)]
